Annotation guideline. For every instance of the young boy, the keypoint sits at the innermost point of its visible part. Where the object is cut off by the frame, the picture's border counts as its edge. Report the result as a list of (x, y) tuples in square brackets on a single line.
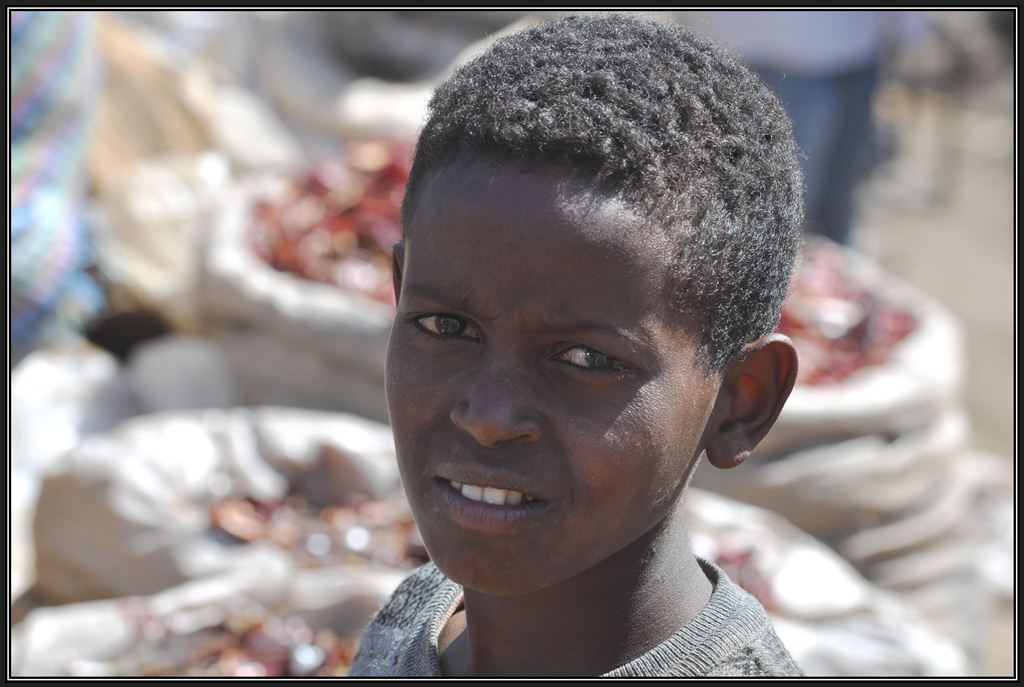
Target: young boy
[(599, 229)]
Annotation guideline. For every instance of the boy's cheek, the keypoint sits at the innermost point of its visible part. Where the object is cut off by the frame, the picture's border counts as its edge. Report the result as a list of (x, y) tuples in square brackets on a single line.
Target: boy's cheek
[(409, 374)]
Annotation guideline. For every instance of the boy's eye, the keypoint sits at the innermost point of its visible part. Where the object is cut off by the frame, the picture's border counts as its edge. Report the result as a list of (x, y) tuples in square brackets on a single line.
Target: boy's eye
[(590, 359), (446, 325)]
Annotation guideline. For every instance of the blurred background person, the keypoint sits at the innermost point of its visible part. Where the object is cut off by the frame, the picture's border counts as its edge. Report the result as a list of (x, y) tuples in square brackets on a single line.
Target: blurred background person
[(825, 68), (54, 82)]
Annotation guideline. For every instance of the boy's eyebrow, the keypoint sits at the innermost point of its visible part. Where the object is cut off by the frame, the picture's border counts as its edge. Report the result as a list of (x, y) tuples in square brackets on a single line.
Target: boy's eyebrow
[(639, 341), (424, 290), (427, 291)]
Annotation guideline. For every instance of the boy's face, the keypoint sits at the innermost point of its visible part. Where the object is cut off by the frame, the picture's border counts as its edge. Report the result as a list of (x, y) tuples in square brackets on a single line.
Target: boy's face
[(534, 350)]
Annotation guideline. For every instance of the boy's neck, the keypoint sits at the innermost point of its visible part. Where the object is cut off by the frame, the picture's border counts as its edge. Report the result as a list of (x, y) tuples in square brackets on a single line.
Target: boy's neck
[(589, 624)]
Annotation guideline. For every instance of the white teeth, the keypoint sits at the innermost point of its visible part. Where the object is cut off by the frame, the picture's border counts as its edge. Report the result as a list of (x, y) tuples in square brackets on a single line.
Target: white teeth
[(473, 492), (495, 496), (492, 495)]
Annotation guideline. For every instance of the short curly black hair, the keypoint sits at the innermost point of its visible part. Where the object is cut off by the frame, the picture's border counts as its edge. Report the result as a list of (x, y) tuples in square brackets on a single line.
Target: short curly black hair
[(672, 122)]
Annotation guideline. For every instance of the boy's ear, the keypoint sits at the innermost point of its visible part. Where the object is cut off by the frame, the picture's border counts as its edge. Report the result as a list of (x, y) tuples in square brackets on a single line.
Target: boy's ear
[(397, 260), (755, 386)]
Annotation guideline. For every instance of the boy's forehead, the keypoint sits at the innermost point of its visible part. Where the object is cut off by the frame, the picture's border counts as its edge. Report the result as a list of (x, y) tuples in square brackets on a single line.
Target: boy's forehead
[(506, 200), (537, 238)]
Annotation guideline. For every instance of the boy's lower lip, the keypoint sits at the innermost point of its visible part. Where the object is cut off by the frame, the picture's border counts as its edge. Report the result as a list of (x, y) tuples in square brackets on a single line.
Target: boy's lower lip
[(487, 517)]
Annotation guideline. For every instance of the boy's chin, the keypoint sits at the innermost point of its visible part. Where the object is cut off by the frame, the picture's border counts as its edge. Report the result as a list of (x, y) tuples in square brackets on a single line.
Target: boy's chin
[(489, 575)]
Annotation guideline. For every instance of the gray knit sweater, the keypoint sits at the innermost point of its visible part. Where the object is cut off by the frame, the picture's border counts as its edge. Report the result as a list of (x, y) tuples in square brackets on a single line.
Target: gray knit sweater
[(731, 636)]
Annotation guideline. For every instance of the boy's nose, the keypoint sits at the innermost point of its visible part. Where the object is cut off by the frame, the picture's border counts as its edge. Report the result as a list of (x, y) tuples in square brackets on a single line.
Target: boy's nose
[(493, 426), (495, 410), (496, 406)]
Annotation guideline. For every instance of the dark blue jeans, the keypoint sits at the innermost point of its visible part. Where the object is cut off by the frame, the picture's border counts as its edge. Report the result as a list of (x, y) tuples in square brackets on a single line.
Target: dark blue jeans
[(832, 124)]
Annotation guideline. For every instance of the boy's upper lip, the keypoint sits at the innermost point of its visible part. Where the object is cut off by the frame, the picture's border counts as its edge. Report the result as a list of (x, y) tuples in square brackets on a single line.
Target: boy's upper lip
[(493, 476)]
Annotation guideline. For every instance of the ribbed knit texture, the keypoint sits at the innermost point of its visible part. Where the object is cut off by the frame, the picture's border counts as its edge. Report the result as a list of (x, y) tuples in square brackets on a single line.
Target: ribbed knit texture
[(731, 636)]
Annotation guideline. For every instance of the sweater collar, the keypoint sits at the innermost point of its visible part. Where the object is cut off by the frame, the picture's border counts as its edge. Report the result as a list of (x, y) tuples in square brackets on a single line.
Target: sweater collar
[(729, 621)]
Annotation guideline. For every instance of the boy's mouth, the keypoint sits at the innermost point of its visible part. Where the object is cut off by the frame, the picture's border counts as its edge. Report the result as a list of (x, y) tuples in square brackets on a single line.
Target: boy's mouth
[(493, 495), (490, 508)]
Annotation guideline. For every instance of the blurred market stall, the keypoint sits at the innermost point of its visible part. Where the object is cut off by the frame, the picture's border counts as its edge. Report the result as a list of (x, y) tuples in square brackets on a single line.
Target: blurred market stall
[(246, 188)]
